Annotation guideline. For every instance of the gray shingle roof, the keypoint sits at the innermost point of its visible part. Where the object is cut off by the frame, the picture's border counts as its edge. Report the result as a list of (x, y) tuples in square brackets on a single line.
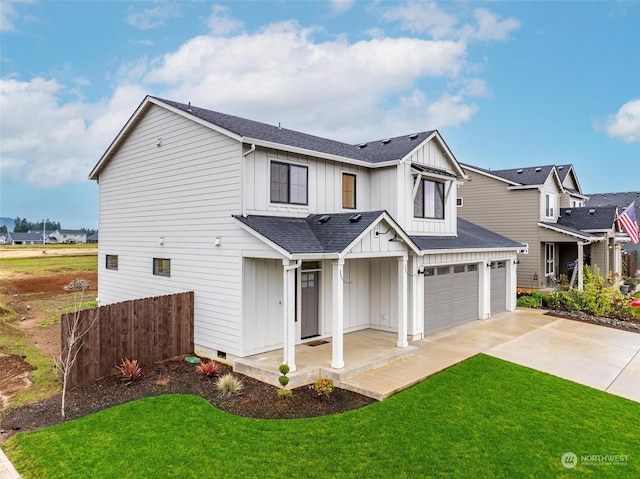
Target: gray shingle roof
[(536, 175), (470, 236), (371, 152), (588, 218), (26, 236), (621, 200), (310, 235), (563, 171)]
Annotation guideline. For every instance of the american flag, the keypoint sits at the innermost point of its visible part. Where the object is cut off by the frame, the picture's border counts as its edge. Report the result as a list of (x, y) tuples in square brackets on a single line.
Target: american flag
[(629, 222)]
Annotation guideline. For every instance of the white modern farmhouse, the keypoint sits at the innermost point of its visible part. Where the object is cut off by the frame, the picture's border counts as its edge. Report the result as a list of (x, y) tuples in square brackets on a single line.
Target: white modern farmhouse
[(285, 236)]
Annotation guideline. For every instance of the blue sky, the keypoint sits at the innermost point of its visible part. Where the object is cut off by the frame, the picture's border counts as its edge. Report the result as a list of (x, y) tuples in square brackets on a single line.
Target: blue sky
[(508, 84)]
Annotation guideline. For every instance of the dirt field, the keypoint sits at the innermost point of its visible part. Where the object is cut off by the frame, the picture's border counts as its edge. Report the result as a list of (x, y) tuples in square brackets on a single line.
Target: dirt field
[(33, 302)]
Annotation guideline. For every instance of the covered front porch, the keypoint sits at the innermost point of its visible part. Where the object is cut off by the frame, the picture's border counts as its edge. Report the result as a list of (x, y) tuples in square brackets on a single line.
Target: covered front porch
[(364, 350)]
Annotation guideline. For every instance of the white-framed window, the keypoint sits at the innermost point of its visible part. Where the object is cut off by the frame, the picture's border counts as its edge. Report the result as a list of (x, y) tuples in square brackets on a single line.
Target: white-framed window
[(429, 200), (550, 259), (349, 191), (289, 183), (111, 261), (162, 267), (550, 205)]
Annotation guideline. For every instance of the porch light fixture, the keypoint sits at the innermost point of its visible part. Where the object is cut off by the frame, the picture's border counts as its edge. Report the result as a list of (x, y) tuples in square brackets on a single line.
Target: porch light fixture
[(395, 239)]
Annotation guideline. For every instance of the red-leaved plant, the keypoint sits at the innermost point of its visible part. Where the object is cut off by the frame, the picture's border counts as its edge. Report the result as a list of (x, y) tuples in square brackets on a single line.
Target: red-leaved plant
[(208, 370), (129, 369)]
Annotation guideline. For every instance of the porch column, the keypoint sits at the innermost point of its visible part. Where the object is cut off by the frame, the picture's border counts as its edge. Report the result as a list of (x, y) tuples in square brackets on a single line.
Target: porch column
[(337, 347), (289, 313), (580, 265), (402, 302)]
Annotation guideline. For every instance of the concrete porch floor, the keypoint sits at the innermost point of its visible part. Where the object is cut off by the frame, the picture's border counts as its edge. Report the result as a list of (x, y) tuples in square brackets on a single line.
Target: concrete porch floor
[(596, 356)]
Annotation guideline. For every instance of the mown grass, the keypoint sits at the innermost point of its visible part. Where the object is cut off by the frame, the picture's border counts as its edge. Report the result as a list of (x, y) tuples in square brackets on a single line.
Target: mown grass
[(50, 265), (482, 418)]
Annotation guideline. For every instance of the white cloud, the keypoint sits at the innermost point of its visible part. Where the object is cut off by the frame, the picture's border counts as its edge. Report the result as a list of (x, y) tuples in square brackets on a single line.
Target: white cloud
[(153, 17), (489, 26), (281, 74), (427, 17), (421, 17), (8, 16), (221, 23), (340, 6), (48, 143), (625, 124)]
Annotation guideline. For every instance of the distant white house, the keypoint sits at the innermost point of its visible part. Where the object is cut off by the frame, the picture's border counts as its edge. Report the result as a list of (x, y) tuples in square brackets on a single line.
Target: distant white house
[(69, 236)]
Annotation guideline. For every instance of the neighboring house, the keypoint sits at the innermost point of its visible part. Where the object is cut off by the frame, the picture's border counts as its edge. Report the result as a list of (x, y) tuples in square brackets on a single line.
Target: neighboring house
[(622, 200), (24, 238), (286, 236), (527, 205), (92, 238), (69, 236)]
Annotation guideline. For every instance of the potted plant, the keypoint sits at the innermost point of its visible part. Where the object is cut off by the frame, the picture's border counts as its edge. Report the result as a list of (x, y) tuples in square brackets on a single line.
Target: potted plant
[(630, 283)]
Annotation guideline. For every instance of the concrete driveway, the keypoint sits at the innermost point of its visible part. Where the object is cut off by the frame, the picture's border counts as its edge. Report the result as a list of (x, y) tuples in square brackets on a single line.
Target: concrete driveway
[(600, 357)]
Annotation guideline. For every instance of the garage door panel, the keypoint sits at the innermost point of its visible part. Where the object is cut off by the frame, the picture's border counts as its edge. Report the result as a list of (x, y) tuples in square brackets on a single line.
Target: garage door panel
[(452, 298)]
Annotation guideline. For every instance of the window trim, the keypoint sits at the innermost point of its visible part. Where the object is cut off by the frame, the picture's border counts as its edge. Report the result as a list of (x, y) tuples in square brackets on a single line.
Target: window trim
[(107, 257), (355, 191), (442, 195), (550, 205), (156, 272), (289, 166), (549, 260)]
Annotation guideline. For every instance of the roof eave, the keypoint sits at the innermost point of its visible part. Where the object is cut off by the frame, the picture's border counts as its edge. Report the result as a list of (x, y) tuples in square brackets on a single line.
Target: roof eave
[(488, 174), (571, 233), (471, 250)]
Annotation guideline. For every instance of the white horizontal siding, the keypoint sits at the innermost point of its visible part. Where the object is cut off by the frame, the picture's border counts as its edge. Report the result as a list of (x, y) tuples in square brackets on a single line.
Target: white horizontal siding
[(185, 192)]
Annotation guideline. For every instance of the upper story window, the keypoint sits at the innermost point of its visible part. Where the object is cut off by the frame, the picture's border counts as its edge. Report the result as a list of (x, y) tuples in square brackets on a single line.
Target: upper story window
[(429, 200), (289, 183), (348, 191), (550, 205)]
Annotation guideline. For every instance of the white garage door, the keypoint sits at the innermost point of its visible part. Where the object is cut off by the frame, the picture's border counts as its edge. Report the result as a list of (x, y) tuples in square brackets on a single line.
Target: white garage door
[(498, 287), (450, 296)]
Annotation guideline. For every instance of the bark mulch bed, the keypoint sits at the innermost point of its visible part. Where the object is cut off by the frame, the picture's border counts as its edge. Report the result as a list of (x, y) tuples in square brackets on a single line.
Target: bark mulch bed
[(631, 324), (256, 399)]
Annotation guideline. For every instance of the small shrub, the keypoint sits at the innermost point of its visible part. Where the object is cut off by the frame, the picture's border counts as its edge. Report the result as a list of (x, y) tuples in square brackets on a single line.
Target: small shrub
[(323, 387), (285, 393), (528, 302), (129, 369), (284, 369), (208, 369), (229, 384), (283, 380)]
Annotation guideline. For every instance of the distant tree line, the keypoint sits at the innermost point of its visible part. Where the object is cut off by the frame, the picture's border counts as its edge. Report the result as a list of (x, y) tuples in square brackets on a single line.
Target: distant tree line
[(23, 225)]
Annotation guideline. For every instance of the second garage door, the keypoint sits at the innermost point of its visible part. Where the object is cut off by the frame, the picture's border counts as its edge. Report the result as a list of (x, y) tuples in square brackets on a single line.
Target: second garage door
[(451, 295)]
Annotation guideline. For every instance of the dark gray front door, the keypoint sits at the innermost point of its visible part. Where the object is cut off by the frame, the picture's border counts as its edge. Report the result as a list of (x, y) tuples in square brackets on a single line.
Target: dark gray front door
[(310, 299)]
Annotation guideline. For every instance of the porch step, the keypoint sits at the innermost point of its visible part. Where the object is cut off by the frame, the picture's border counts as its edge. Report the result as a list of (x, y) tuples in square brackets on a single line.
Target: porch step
[(264, 367), (353, 368)]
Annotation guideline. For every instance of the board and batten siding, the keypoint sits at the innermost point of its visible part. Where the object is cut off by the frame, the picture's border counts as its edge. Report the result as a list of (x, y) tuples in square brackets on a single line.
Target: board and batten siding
[(429, 154), (324, 184), (512, 213), (172, 201)]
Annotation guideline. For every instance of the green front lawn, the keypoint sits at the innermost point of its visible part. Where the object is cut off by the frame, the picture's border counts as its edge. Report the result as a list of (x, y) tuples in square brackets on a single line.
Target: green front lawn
[(482, 418)]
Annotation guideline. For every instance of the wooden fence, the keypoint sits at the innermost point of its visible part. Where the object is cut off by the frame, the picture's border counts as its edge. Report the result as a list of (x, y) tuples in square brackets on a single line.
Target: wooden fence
[(149, 330)]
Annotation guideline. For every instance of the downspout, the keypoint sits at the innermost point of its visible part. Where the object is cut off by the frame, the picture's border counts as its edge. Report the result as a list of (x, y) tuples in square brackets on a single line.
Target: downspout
[(242, 178)]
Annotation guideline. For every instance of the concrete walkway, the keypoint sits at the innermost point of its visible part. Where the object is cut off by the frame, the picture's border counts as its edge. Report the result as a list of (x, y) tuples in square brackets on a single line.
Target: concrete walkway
[(7, 471), (597, 356)]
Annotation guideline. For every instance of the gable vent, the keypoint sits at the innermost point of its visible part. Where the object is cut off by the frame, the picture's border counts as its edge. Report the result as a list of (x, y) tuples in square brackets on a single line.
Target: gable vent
[(324, 219), (413, 137), (519, 171), (384, 142), (592, 211), (355, 218), (362, 145), (538, 169)]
